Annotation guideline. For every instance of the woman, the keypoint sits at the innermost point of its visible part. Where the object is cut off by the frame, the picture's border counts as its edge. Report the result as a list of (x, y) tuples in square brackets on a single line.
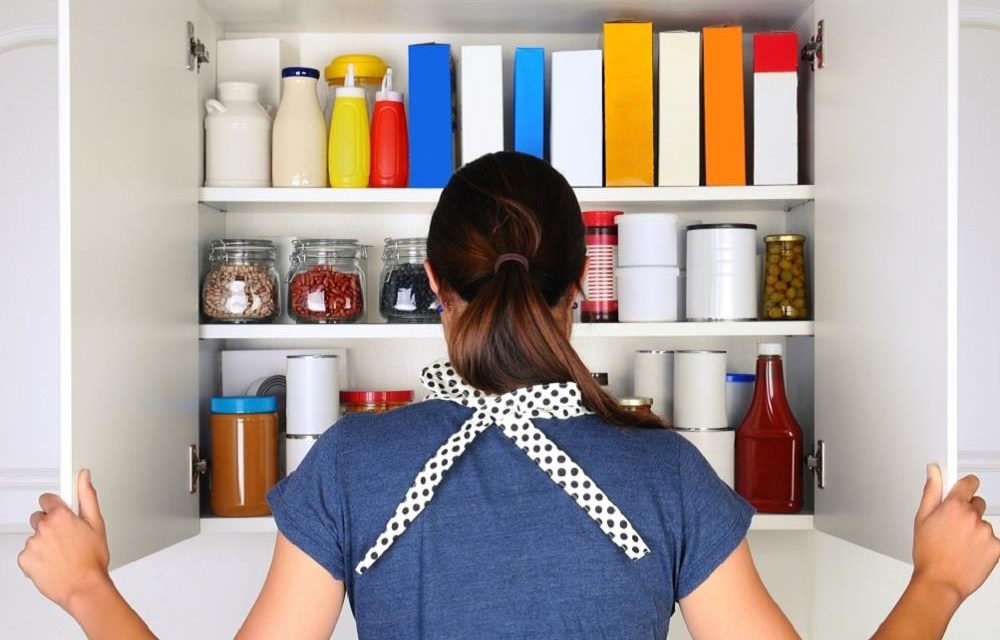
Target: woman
[(519, 501)]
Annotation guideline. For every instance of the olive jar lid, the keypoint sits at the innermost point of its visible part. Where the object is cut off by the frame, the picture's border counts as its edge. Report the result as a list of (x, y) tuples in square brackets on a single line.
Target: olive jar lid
[(785, 237)]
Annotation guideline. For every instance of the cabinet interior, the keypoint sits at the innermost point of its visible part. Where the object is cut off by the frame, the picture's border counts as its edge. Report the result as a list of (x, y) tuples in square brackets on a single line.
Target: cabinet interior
[(317, 30)]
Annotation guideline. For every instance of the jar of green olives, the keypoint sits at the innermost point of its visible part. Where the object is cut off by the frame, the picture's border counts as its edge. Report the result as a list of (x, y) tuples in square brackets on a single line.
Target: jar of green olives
[(786, 283)]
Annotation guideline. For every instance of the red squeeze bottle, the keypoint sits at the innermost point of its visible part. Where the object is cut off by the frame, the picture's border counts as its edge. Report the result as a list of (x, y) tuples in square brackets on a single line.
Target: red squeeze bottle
[(390, 146), (769, 442)]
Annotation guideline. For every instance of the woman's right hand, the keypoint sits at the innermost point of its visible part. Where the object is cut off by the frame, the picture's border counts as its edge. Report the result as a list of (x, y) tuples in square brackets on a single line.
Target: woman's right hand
[(953, 547)]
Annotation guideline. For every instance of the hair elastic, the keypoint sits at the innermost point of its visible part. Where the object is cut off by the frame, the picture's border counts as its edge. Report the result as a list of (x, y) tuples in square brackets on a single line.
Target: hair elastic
[(508, 257)]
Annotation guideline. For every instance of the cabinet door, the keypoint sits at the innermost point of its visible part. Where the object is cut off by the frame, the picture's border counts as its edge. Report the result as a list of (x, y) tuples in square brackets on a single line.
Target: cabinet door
[(885, 251), (129, 161)]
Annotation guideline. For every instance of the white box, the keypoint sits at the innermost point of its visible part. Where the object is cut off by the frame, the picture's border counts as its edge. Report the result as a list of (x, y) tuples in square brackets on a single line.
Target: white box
[(680, 109), (481, 103), (775, 128), (258, 60), (576, 129)]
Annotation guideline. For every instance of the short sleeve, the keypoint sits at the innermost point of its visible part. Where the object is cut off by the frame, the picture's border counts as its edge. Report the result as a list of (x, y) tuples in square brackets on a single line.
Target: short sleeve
[(716, 520), (308, 505)]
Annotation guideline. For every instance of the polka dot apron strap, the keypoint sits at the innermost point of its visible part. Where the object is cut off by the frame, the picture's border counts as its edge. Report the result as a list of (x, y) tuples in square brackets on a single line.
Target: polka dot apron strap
[(511, 412)]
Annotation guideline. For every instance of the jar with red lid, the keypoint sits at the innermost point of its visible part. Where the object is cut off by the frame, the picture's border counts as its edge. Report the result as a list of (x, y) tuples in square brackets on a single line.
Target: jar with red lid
[(600, 296), (326, 281), (357, 401)]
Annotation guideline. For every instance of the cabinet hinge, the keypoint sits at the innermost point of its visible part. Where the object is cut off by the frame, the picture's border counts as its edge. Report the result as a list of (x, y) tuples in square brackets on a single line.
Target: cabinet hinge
[(199, 467), (197, 52), (812, 51), (814, 462)]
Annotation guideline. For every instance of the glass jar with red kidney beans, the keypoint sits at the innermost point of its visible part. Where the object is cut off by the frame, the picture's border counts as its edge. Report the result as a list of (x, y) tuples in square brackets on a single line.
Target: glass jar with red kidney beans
[(326, 281)]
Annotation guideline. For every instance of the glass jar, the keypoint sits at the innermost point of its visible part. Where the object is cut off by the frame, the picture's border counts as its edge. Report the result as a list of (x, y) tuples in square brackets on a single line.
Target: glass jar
[(600, 300), (326, 281), (244, 433), (640, 406), (373, 401), (405, 292), (786, 284), (241, 284)]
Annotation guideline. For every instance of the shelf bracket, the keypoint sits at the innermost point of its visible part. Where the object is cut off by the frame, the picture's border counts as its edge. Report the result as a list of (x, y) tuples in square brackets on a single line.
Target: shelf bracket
[(199, 467), (812, 51), (814, 462)]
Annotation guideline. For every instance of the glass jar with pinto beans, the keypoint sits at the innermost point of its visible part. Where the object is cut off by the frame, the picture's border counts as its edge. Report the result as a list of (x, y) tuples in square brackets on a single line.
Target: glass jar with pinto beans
[(241, 285), (326, 281), (786, 280)]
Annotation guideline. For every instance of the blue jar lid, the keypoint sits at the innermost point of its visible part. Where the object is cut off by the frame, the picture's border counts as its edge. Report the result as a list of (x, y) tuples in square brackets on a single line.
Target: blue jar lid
[(289, 72), (244, 404), (740, 377)]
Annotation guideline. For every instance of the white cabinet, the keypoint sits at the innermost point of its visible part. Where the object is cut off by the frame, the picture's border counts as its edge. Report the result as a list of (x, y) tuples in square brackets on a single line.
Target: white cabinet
[(882, 214)]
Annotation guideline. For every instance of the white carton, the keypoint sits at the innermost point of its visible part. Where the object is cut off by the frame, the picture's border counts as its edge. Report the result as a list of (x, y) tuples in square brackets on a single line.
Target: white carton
[(680, 109), (258, 60), (576, 130), (481, 103), (775, 128)]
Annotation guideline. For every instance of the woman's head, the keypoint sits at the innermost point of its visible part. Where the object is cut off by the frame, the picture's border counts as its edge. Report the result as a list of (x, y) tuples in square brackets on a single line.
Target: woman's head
[(506, 251)]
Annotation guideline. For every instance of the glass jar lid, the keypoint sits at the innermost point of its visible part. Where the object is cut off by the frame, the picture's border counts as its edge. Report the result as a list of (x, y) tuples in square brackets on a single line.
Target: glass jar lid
[(327, 248), (785, 237), (405, 249), (241, 249), (637, 401)]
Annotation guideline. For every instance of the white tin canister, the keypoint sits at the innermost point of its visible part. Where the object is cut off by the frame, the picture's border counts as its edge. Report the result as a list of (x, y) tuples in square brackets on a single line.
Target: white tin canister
[(721, 272), (719, 449), (647, 239), (312, 404), (700, 390), (654, 378), (237, 138), (647, 294), (296, 448)]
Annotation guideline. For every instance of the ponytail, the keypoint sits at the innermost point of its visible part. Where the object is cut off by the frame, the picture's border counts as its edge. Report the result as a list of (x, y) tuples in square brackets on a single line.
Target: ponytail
[(508, 336)]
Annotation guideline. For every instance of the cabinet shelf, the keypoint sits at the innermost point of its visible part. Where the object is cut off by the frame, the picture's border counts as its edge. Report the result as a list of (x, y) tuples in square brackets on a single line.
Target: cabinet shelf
[(762, 198), (761, 522), (605, 330)]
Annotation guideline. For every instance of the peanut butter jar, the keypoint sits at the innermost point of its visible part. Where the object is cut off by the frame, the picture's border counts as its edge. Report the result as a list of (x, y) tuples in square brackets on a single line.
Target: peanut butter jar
[(244, 458)]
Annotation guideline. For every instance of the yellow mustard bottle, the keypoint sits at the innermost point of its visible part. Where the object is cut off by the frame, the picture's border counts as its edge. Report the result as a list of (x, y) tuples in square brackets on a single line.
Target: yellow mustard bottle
[(350, 145)]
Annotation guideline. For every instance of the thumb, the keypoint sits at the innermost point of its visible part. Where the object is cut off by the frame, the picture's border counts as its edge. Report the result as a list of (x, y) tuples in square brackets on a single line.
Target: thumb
[(933, 493), (90, 510)]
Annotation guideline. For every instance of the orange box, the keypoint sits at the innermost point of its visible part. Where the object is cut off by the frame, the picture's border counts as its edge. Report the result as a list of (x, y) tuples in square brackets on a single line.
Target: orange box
[(725, 137), (628, 104)]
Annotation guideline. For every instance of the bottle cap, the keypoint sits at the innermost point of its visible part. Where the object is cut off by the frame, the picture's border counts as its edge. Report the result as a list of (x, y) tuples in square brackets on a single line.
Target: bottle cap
[(769, 349), (387, 94), (299, 72), (349, 90)]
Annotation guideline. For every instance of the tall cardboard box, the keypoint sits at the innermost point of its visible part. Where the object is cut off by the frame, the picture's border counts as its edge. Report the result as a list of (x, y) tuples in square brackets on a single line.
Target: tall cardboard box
[(481, 103), (257, 60), (725, 136), (628, 103), (432, 114), (775, 108), (576, 120), (529, 101), (680, 109)]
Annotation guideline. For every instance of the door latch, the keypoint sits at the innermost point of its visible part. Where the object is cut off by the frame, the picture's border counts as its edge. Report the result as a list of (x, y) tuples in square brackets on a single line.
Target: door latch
[(197, 52), (812, 51), (199, 468), (814, 462)]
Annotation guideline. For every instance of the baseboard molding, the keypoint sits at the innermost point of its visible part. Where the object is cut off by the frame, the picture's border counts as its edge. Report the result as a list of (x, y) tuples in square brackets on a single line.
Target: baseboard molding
[(19, 490)]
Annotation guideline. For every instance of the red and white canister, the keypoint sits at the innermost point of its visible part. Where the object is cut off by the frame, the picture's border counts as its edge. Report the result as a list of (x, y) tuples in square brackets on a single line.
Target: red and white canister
[(600, 303)]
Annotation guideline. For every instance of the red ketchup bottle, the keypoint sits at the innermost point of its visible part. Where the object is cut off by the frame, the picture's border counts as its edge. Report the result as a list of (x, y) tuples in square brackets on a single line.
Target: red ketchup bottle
[(769, 442), (390, 147)]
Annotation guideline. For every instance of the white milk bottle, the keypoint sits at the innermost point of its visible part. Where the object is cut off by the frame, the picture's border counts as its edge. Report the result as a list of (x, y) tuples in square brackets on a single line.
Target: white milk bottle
[(298, 157)]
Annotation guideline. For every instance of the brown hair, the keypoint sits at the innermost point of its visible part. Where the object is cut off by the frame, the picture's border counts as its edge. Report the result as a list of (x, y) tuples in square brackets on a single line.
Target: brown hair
[(508, 336)]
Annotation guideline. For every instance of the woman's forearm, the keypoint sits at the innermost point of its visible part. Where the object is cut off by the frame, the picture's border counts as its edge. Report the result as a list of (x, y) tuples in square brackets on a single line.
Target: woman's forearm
[(105, 615), (922, 613)]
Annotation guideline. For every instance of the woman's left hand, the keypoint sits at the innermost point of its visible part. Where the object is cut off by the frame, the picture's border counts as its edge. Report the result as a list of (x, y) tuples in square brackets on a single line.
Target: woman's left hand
[(67, 556)]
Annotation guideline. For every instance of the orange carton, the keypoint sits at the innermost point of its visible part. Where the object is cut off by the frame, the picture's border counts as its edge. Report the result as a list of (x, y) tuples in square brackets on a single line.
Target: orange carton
[(725, 139), (628, 104)]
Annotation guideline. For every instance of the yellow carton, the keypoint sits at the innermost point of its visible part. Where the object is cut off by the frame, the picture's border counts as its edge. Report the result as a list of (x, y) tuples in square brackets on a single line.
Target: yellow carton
[(628, 104)]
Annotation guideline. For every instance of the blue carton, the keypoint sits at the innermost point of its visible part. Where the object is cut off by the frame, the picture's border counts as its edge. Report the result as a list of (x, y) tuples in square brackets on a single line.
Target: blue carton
[(529, 101), (432, 114)]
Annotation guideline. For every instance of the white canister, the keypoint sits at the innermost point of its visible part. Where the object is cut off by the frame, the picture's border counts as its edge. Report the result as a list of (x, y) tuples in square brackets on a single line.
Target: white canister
[(237, 138), (647, 294), (719, 449), (654, 378), (312, 404), (647, 240), (721, 272), (296, 448), (700, 390), (739, 393)]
